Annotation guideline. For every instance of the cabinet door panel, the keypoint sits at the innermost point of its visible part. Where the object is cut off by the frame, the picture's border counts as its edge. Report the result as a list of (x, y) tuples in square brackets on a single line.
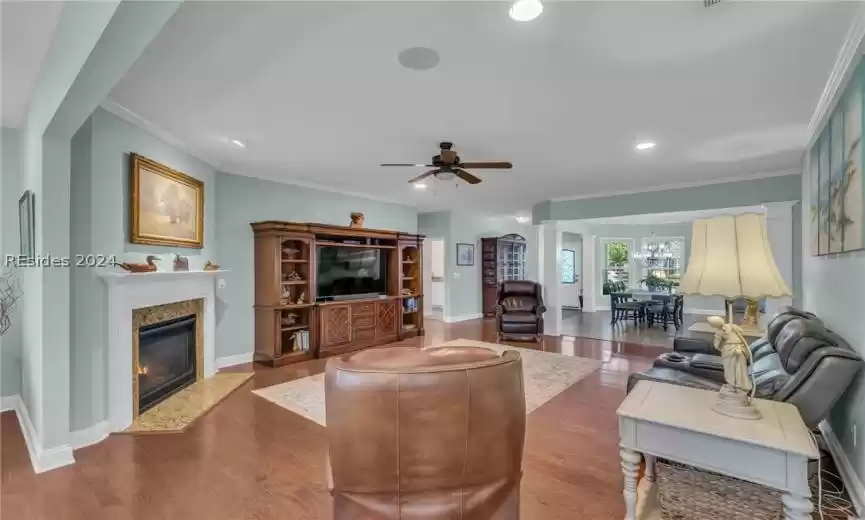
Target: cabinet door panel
[(335, 325), (386, 324)]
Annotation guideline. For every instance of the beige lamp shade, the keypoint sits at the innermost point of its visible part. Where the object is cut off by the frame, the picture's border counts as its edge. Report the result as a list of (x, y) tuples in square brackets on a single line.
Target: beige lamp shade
[(731, 257)]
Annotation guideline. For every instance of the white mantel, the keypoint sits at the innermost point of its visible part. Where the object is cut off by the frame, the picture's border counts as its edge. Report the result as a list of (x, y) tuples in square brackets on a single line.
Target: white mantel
[(129, 291)]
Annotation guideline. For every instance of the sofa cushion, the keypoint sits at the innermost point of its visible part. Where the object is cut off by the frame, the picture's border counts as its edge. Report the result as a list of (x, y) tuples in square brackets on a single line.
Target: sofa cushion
[(519, 317)]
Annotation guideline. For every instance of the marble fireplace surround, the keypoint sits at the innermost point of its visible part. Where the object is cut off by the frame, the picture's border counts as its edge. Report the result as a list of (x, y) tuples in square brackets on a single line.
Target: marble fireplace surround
[(128, 292)]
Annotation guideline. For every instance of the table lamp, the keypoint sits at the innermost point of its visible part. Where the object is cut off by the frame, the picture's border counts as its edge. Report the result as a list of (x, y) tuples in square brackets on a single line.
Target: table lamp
[(731, 257)]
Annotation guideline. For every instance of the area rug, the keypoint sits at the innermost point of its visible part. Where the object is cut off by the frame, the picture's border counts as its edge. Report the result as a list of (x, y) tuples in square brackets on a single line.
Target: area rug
[(545, 375)]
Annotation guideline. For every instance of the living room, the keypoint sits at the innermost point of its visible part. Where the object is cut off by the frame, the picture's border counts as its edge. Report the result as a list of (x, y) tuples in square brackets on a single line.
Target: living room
[(259, 134)]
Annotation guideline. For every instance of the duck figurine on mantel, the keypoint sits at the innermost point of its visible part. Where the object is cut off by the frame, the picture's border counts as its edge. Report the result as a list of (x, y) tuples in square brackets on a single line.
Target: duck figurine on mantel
[(149, 267)]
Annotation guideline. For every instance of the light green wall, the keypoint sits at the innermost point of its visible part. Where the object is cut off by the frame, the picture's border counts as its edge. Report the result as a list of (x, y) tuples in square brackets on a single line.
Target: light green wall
[(463, 294), (100, 225), (834, 289), (242, 200), (723, 195), (10, 342)]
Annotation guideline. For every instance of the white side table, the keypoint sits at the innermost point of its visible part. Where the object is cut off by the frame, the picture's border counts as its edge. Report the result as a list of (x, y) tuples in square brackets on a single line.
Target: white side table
[(677, 423)]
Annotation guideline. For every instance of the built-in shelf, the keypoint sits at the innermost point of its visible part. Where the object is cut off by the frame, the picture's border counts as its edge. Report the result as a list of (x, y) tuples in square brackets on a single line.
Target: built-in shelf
[(294, 282), (408, 277), (411, 296), (408, 312), (294, 327), (409, 327), (285, 307), (409, 262), (294, 261)]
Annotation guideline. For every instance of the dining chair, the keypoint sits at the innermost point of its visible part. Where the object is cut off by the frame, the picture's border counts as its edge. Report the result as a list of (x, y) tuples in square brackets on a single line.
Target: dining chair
[(623, 307)]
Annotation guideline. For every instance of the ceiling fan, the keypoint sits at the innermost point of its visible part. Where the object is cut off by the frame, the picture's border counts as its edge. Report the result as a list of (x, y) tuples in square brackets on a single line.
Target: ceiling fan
[(447, 164)]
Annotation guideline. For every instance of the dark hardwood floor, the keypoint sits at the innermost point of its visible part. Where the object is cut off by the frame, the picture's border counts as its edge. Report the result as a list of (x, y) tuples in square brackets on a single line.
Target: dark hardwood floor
[(250, 459), (597, 325)]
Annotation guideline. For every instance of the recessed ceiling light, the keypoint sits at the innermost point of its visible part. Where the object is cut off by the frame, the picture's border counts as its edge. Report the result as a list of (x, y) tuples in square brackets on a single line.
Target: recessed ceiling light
[(238, 143), (526, 10), (645, 145), (420, 186), (523, 219)]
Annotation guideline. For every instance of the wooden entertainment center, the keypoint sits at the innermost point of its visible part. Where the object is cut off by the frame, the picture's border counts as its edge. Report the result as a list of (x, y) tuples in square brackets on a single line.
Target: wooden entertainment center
[(287, 306)]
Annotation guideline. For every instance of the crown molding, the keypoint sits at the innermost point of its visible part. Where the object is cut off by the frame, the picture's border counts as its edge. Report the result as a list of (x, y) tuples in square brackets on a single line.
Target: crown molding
[(162, 134), (681, 185), (851, 49), (155, 130), (321, 187)]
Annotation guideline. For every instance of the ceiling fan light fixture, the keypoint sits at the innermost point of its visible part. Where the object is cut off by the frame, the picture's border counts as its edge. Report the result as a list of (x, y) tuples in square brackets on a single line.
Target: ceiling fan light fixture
[(526, 10), (645, 145), (445, 176)]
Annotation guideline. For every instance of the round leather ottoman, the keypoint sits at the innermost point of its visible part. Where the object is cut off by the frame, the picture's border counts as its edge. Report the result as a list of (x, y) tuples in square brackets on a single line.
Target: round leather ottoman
[(417, 434)]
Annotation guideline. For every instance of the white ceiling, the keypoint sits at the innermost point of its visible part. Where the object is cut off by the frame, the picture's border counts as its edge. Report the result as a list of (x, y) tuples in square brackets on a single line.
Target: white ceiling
[(27, 30), (317, 93)]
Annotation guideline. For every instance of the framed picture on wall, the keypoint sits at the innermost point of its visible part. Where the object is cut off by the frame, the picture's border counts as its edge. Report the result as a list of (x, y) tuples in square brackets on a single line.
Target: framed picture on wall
[(27, 224), (465, 254), (167, 206)]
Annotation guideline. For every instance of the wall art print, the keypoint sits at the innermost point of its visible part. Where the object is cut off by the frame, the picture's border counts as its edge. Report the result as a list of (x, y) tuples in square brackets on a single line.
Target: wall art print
[(837, 155)]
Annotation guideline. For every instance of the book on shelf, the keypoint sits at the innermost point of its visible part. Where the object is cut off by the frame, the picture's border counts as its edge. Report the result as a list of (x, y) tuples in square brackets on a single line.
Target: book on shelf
[(301, 341)]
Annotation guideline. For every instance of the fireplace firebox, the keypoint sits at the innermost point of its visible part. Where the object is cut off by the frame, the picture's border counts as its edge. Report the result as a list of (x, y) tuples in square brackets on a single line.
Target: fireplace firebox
[(166, 359)]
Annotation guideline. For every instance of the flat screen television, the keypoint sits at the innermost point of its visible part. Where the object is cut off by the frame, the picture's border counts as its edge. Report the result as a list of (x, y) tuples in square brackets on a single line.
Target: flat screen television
[(346, 272)]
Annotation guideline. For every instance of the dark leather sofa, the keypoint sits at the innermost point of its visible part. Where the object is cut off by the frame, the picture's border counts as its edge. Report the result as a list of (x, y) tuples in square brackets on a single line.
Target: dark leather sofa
[(798, 361), (520, 311)]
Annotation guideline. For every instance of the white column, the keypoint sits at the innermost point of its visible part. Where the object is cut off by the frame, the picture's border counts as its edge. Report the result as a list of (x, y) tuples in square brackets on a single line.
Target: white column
[(534, 264), (552, 244), (589, 276), (779, 227)]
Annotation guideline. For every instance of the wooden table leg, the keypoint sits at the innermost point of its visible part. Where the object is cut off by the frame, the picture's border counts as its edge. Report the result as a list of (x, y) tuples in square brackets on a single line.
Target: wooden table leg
[(630, 469), (650, 468), (796, 507)]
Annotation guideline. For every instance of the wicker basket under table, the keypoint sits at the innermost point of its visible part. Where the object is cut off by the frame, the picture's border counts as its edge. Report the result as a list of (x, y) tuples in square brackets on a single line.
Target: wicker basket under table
[(688, 493)]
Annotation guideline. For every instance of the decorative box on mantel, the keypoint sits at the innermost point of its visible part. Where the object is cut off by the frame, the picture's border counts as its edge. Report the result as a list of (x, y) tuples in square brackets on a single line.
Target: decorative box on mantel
[(130, 291)]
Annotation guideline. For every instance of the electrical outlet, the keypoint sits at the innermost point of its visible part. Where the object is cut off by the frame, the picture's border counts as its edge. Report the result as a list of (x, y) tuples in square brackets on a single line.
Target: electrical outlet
[(456, 275), (220, 284)]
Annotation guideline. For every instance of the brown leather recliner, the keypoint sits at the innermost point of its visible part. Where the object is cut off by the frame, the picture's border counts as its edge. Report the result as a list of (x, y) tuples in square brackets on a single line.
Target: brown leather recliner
[(425, 434), (520, 311)]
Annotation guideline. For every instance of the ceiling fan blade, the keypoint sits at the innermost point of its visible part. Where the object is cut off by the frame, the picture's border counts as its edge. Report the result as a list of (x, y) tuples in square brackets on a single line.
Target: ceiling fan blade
[(501, 165), (466, 176), (424, 176), (410, 164)]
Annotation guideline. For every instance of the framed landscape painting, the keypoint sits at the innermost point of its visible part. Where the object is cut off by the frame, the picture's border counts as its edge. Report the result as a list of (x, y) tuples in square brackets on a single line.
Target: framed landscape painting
[(852, 189), (167, 206)]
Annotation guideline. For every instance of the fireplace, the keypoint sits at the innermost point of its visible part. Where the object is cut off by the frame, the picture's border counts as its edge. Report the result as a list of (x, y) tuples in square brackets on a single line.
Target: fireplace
[(166, 359), (167, 348)]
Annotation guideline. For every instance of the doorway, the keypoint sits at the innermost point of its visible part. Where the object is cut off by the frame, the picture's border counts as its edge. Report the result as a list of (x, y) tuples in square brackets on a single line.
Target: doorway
[(434, 279)]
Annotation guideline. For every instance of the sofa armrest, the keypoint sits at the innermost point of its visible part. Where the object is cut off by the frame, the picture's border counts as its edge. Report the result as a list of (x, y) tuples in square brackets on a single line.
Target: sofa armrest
[(707, 362), (694, 346)]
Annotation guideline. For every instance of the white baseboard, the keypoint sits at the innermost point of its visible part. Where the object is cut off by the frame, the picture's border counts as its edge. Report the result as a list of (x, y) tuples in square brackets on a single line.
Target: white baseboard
[(89, 436), (41, 459), (464, 317), (852, 482), (230, 361)]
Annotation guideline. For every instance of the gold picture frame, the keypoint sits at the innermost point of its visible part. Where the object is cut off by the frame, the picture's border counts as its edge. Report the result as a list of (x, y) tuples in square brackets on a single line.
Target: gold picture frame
[(167, 206)]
